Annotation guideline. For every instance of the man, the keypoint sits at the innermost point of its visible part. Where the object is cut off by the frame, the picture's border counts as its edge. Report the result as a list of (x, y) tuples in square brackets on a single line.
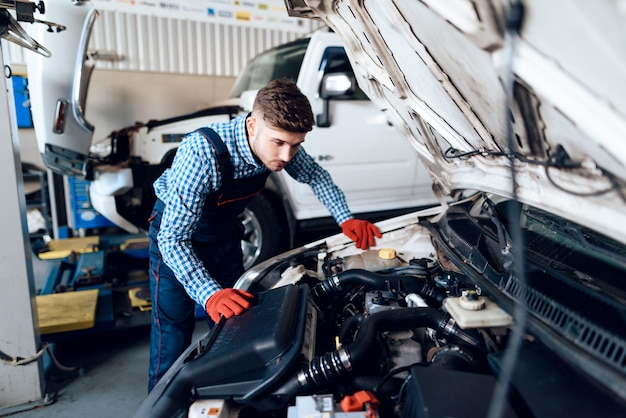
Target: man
[(195, 237)]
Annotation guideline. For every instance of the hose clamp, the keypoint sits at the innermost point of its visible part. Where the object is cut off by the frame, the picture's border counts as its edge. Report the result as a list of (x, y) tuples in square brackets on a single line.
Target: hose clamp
[(450, 326), (302, 380), (344, 357)]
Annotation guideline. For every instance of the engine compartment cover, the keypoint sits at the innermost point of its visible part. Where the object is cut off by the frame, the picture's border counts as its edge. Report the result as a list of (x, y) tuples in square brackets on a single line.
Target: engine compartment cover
[(248, 354)]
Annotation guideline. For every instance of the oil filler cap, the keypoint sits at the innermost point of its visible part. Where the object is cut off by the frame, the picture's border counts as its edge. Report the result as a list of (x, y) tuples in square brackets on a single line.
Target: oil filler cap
[(387, 253)]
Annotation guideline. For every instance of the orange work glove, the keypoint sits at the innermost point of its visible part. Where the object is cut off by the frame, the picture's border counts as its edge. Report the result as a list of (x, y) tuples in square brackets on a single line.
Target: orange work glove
[(361, 232), (228, 302)]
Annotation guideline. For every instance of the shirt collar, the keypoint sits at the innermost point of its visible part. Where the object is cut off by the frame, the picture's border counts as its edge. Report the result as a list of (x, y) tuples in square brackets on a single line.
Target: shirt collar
[(241, 141)]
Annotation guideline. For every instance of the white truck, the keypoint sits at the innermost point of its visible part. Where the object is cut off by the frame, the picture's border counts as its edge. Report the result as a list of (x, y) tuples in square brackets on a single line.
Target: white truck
[(353, 139)]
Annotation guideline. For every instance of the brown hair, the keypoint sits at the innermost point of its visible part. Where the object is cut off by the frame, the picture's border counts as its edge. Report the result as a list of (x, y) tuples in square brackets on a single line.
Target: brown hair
[(282, 105)]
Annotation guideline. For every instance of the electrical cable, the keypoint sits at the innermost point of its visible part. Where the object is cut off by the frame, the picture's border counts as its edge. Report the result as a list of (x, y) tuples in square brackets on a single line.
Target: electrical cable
[(391, 373), (403, 388), (515, 18), (554, 161), (23, 361)]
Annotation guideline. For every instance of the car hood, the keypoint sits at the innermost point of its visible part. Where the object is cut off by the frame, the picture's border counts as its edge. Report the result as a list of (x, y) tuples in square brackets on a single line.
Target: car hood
[(527, 102)]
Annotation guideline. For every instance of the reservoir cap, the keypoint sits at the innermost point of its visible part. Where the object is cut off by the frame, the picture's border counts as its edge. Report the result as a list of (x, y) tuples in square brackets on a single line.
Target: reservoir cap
[(387, 253)]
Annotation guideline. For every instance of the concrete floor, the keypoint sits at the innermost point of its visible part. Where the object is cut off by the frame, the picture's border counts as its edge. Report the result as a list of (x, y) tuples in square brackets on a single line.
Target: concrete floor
[(111, 378)]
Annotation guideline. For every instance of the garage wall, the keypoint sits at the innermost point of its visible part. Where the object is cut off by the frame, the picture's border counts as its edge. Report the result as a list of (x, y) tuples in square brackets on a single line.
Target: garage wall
[(133, 42), (120, 98), (158, 44)]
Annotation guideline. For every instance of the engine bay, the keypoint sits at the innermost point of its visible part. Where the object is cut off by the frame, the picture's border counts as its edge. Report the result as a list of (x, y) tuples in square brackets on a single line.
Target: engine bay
[(424, 325)]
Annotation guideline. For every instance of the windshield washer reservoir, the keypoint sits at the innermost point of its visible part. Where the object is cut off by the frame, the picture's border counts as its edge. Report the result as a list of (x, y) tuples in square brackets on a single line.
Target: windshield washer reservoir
[(373, 260)]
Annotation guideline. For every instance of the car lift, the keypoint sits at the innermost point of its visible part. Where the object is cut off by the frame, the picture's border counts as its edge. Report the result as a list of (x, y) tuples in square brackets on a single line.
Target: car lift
[(95, 284), (21, 365), (18, 336)]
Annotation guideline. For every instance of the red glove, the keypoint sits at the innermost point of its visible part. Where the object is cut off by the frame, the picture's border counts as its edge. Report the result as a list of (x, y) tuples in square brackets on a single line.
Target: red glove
[(228, 302), (360, 231)]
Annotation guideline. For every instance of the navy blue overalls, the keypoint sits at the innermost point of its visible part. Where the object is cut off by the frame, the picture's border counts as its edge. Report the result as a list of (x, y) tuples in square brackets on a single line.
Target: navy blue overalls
[(216, 241)]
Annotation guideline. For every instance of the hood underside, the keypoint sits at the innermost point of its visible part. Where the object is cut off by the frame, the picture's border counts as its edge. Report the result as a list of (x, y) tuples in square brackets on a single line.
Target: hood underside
[(525, 101)]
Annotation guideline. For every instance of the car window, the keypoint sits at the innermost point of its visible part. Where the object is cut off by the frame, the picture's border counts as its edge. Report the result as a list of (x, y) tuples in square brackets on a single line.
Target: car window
[(282, 61)]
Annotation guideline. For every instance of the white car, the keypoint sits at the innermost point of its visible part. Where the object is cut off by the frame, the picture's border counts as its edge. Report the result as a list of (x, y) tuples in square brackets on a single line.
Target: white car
[(353, 139), (507, 302)]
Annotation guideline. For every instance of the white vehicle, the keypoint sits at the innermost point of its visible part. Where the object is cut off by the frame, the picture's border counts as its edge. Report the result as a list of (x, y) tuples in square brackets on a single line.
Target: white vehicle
[(367, 157), (508, 301)]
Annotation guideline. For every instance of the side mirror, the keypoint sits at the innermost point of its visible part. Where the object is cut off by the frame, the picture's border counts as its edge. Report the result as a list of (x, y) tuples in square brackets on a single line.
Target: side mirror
[(334, 86)]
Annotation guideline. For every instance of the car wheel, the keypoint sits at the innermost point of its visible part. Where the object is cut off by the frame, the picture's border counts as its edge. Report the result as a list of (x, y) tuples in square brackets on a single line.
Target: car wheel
[(262, 236)]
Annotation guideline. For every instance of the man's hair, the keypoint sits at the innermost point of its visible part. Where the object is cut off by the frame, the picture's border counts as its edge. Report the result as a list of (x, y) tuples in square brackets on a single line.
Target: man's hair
[(282, 105)]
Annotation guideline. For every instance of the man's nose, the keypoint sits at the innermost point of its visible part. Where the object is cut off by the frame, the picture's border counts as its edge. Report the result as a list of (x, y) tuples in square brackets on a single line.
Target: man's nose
[(286, 154)]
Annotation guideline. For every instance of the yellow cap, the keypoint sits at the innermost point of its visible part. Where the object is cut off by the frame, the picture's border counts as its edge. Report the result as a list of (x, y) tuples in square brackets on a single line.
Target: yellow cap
[(387, 253)]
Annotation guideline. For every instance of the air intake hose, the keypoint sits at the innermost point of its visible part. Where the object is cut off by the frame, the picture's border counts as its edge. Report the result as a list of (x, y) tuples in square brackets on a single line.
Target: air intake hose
[(334, 366), (323, 291)]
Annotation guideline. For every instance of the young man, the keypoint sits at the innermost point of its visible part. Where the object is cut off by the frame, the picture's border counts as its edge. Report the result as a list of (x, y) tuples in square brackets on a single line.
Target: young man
[(195, 237)]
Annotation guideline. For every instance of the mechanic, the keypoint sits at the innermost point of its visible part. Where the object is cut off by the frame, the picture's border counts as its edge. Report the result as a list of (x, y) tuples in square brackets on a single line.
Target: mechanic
[(195, 235)]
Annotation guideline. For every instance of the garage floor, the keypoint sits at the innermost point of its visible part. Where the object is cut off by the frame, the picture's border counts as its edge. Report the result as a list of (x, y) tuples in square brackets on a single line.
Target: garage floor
[(111, 378)]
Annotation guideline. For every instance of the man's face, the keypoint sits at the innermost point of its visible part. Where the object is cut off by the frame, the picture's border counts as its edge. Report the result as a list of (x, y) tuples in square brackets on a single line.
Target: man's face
[(272, 146)]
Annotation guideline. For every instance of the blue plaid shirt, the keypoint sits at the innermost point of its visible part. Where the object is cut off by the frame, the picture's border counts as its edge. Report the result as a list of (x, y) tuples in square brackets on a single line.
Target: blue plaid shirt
[(194, 174)]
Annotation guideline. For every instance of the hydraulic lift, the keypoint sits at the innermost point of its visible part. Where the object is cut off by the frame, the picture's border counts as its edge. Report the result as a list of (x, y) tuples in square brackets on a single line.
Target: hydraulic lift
[(95, 284), (18, 324)]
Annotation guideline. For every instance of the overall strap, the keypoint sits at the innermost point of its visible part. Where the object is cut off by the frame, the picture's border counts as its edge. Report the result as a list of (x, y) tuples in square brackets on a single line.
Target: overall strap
[(221, 152)]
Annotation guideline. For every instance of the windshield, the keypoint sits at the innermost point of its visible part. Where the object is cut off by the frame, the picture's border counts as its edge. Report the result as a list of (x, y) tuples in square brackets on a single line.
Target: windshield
[(282, 61)]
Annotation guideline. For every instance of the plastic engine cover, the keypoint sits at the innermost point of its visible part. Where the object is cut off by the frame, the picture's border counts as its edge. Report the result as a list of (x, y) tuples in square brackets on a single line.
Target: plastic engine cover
[(251, 352)]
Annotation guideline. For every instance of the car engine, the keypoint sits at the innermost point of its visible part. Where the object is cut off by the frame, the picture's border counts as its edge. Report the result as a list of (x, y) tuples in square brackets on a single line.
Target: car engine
[(400, 330)]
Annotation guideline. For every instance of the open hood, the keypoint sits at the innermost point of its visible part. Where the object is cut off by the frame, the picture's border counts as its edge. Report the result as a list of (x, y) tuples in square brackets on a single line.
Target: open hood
[(525, 101), (508, 300)]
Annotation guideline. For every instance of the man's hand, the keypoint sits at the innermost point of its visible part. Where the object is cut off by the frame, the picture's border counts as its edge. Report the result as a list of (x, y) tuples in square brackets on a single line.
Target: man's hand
[(228, 302), (361, 232)]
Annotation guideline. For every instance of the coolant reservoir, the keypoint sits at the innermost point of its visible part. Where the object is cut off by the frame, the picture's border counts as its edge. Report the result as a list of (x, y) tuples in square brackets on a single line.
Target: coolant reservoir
[(373, 260)]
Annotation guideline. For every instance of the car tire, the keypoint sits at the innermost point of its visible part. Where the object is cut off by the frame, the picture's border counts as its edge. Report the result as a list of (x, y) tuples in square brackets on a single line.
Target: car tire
[(263, 232)]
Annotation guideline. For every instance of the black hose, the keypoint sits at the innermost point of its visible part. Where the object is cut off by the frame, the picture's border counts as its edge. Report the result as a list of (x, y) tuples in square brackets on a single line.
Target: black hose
[(323, 291), (334, 366), (399, 319), (349, 326), (334, 284)]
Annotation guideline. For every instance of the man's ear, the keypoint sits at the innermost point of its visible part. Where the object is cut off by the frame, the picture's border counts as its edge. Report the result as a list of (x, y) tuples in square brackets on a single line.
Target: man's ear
[(251, 125)]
